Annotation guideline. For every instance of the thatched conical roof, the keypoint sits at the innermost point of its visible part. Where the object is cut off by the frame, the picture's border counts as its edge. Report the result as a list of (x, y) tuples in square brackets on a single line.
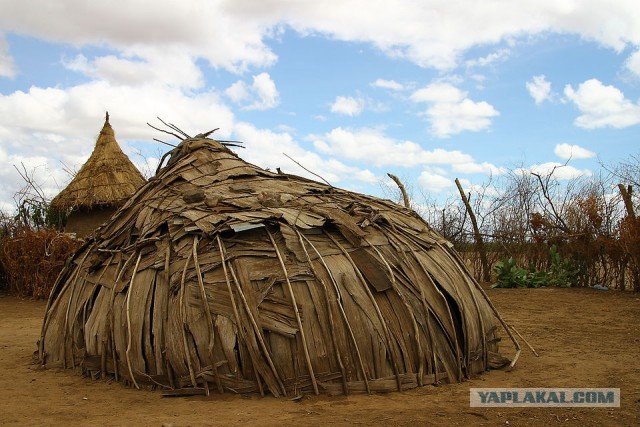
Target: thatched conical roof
[(219, 275), (108, 178)]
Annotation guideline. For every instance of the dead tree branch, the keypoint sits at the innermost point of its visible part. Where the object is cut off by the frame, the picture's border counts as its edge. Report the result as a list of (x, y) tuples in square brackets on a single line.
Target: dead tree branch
[(405, 197)]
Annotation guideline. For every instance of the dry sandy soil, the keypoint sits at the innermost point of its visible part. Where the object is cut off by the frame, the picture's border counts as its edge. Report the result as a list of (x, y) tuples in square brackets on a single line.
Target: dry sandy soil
[(585, 338)]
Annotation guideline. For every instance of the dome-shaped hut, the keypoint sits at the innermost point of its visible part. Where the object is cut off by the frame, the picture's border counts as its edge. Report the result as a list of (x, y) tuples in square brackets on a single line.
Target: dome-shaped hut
[(100, 187), (220, 275)]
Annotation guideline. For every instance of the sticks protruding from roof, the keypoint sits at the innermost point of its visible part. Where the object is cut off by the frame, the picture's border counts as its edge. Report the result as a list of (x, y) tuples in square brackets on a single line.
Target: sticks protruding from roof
[(181, 135)]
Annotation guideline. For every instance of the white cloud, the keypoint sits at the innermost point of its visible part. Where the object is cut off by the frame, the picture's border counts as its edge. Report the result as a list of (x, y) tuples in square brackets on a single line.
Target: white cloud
[(266, 149), (47, 174), (633, 63), (157, 66), (602, 105), (568, 151), (559, 170), (78, 63), (438, 93), (238, 92), (373, 147), (7, 66), (451, 112), (261, 95), (539, 88), (153, 66), (497, 56), (196, 29), (484, 167), (77, 111), (432, 182), (265, 88), (387, 84), (231, 33), (53, 128), (347, 105)]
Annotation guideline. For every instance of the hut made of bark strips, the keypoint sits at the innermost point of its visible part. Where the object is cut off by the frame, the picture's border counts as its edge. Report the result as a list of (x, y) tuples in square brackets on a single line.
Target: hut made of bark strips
[(218, 275), (100, 187)]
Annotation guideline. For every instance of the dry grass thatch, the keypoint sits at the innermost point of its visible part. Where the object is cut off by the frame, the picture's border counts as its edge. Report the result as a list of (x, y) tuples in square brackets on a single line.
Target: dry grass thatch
[(219, 275), (108, 178)]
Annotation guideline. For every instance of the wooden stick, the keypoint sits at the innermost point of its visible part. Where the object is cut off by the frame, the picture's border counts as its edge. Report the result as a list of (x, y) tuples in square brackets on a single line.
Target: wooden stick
[(160, 358), (256, 329), (375, 306), (66, 317), (185, 345), (66, 323), (405, 197), (103, 350), (344, 314), (207, 312), (626, 198), (258, 380), (312, 173), (329, 312), (423, 298), (51, 303), (486, 270), (453, 342), (235, 306), (525, 341), (165, 143), (164, 131), (469, 277), (495, 311), (295, 309), (128, 299), (111, 317), (410, 313)]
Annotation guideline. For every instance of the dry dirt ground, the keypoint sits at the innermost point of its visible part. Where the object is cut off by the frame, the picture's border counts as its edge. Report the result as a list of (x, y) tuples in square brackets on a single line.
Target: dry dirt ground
[(585, 338)]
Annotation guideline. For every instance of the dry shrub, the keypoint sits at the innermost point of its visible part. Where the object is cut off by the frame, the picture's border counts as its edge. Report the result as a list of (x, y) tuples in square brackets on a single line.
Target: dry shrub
[(31, 260)]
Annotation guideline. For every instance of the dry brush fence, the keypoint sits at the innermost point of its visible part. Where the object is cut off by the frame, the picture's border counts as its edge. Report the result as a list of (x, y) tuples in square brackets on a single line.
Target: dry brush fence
[(31, 260), (591, 220)]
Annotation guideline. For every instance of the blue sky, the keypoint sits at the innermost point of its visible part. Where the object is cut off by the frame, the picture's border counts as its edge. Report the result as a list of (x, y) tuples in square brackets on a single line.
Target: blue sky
[(351, 89)]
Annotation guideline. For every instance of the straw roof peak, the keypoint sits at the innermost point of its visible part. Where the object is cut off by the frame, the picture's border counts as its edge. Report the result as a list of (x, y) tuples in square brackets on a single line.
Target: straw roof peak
[(108, 178)]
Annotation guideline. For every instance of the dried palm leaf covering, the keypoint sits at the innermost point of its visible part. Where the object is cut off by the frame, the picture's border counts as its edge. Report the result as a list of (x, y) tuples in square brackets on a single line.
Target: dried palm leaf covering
[(220, 276)]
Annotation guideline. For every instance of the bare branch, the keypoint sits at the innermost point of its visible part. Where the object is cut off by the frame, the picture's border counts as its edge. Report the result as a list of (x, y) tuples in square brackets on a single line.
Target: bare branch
[(405, 197), (164, 131), (174, 127), (165, 143), (312, 173)]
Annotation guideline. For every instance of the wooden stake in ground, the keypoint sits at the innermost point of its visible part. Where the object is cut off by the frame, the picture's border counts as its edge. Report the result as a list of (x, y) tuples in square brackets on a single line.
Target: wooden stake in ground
[(533, 350), (486, 272)]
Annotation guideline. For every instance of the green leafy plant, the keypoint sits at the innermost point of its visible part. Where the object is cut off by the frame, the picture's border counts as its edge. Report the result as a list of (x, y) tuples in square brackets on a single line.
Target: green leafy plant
[(562, 273), (509, 275)]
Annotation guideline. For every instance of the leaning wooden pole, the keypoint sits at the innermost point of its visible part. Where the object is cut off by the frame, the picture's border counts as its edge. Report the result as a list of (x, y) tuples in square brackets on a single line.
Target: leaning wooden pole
[(631, 215), (405, 196), (626, 198), (486, 271)]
